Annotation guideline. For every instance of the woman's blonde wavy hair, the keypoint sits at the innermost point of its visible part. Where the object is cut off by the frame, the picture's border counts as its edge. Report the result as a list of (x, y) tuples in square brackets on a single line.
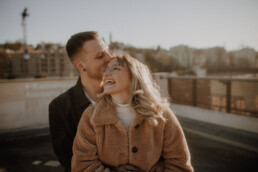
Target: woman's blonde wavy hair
[(145, 98)]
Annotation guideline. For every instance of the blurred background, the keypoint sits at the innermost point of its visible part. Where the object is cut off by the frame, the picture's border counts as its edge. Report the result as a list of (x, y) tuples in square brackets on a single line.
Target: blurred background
[(203, 55)]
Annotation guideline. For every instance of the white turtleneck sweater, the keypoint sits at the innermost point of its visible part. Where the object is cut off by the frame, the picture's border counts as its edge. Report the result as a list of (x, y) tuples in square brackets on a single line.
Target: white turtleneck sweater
[(125, 114)]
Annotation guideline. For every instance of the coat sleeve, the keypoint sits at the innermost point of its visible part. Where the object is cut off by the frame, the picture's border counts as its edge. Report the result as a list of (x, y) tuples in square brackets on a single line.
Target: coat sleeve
[(85, 154), (62, 144), (175, 149)]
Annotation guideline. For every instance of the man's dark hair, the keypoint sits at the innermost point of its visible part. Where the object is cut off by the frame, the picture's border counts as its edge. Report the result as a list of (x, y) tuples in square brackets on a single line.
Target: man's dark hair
[(75, 43)]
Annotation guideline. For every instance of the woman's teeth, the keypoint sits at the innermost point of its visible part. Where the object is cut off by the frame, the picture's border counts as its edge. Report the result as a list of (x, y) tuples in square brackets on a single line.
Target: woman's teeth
[(109, 81)]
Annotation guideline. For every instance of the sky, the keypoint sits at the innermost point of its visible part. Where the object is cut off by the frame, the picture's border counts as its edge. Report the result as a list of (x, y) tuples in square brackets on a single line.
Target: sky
[(232, 24)]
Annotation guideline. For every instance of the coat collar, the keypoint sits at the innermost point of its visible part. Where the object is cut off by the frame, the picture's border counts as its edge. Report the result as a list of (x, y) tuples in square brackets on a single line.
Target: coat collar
[(104, 114), (79, 94)]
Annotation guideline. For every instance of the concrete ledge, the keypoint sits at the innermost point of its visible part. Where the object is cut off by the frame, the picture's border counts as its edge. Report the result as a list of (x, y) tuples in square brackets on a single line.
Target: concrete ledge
[(24, 104), (32, 132), (220, 118)]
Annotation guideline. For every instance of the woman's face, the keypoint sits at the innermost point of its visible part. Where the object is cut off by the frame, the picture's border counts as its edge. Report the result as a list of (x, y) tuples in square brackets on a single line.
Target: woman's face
[(116, 79)]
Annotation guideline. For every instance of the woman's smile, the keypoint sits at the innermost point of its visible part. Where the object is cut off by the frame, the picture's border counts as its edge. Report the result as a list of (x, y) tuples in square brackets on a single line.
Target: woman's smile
[(109, 84)]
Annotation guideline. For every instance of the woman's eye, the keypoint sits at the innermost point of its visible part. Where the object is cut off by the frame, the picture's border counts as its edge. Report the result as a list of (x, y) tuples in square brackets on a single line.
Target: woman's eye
[(114, 69)]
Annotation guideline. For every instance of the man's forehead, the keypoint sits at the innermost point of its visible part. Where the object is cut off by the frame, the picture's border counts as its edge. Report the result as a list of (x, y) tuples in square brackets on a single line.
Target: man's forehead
[(102, 43), (92, 47), (95, 45)]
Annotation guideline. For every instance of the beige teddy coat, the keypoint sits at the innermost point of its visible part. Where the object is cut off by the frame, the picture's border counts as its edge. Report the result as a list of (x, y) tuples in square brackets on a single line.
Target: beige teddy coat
[(102, 141)]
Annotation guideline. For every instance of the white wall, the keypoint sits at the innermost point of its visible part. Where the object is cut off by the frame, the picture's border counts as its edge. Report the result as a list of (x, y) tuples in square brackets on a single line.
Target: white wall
[(24, 103), (220, 118)]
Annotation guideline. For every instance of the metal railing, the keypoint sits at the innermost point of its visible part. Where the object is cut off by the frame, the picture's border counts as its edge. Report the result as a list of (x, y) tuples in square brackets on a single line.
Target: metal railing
[(232, 95)]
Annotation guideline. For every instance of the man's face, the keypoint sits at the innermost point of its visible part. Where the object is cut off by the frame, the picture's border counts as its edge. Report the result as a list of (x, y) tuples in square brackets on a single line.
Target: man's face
[(95, 56)]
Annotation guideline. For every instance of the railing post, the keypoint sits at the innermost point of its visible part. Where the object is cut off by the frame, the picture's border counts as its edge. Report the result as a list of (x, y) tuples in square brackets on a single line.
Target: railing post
[(169, 88), (228, 96), (194, 93)]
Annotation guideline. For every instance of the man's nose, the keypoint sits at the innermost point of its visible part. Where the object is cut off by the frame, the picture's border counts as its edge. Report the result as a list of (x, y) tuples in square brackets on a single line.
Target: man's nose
[(108, 57)]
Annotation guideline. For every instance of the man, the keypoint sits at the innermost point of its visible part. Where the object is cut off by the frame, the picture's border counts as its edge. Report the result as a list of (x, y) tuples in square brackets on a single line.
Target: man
[(89, 54)]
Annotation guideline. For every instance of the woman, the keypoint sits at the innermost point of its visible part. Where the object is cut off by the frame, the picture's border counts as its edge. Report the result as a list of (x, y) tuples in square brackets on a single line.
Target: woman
[(131, 124)]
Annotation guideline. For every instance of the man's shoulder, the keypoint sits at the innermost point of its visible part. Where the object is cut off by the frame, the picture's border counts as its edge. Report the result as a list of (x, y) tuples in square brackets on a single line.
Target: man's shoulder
[(62, 98)]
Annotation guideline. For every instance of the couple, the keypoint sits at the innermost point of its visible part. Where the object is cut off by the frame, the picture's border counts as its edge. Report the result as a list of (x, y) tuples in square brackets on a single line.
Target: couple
[(127, 127)]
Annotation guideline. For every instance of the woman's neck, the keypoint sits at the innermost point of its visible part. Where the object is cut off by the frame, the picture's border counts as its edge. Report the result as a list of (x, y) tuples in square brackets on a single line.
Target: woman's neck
[(121, 98)]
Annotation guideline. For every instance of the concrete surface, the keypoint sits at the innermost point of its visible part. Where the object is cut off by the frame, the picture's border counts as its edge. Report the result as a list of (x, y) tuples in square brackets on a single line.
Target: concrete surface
[(32, 151)]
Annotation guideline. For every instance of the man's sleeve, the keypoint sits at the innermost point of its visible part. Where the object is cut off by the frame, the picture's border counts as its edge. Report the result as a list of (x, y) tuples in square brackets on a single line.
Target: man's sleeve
[(62, 143)]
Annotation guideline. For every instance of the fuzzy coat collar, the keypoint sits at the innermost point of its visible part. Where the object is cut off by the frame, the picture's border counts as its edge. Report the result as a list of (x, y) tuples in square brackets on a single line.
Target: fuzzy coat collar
[(104, 114)]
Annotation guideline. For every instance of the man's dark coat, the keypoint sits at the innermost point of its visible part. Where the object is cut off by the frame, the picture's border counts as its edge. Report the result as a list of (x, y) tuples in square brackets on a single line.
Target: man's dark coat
[(65, 112)]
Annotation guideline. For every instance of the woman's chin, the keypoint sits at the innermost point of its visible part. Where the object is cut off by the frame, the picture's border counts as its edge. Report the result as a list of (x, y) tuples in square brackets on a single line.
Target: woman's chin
[(107, 91)]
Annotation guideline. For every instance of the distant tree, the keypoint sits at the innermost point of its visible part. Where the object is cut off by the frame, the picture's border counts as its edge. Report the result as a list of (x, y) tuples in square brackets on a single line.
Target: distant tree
[(244, 64), (13, 46), (221, 62), (158, 48), (231, 60), (256, 60), (160, 62), (218, 63), (151, 61)]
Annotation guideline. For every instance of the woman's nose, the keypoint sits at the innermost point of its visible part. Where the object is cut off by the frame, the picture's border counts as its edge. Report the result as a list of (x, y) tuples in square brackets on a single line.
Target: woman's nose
[(105, 72)]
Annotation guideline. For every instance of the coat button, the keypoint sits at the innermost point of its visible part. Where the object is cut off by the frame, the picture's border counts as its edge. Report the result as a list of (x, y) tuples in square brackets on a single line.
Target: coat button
[(134, 149), (136, 126)]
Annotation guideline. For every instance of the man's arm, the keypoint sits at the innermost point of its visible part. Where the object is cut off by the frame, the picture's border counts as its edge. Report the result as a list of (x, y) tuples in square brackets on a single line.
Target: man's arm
[(62, 143)]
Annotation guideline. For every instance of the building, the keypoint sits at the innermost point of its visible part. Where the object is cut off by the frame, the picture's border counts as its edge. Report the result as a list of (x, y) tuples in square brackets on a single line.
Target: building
[(45, 61)]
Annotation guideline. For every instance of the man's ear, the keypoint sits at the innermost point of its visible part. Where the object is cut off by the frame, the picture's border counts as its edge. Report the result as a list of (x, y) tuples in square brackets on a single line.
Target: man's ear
[(79, 65)]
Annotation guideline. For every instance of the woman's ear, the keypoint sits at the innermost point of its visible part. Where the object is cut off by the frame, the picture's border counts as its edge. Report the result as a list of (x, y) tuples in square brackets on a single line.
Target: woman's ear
[(80, 66)]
